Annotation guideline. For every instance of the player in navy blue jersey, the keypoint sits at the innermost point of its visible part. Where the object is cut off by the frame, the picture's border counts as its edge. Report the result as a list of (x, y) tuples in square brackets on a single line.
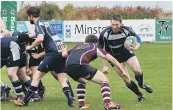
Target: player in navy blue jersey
[(112, 40), (53, 59), (78, 68), (36, 56), (10, 58)]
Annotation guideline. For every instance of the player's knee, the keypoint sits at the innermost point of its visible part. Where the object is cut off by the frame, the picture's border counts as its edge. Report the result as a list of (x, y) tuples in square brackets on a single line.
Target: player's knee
[(125, 78), (136, 69), (12, 76)]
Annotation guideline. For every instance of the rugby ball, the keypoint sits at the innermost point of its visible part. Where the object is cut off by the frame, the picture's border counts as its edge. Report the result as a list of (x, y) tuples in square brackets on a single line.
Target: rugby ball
[(131, 40)]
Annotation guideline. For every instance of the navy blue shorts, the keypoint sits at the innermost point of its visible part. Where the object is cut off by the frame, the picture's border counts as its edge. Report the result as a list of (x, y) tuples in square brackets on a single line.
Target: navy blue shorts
[(9, 62), (52, 63), (80, 71), (123, 56), (23, 60)]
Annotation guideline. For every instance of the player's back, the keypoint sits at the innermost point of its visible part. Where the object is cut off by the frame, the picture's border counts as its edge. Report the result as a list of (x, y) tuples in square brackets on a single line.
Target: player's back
[(6, 44), (82, 54), (51, 41)]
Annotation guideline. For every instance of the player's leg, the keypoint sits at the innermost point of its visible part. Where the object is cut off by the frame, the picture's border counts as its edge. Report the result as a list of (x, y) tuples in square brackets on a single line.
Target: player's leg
[(33, 65), (41, 88), (34, 85), (130, 83), (62, 78), (5, 88), (56, 77), (102, 80), (58, 66), (42, 70), (27, 82), (12, 74), (12, 65), (135, 66), (90, 73)]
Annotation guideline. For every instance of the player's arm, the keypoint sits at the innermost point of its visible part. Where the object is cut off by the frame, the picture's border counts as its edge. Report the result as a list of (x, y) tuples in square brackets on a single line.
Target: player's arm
[(105, 69), (37, 56), (139, 41), (40, 37), (64, 51), (101, 40), (103, 54), (32, 35)]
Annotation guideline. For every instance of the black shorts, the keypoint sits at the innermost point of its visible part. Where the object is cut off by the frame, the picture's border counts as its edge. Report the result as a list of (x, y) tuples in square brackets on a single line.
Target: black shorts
[(80, 71), (52, 63), (23, 60), (34, 62), (9, 62), (123, 56)]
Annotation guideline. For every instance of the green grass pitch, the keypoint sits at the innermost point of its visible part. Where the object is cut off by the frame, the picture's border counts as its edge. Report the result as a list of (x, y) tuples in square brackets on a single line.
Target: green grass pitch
[(156, 63)]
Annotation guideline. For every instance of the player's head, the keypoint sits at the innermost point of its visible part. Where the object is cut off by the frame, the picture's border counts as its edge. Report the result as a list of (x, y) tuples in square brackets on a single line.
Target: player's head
[(116, 22), (91, 39), (33, 12), (22, 37)]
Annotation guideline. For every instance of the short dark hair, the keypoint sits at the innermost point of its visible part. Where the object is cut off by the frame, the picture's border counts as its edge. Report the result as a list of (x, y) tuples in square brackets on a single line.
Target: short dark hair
[(91, 39), (117, 17), (34, 11)]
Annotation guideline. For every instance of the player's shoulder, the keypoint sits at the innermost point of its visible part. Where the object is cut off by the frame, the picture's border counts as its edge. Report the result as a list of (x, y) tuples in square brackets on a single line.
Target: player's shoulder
[(39, 23), (126, 29), (106, 30)]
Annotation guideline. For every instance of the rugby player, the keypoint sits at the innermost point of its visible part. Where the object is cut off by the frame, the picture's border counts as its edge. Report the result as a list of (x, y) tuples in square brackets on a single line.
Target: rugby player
[(53, 59), (78, 68), (112, 40)]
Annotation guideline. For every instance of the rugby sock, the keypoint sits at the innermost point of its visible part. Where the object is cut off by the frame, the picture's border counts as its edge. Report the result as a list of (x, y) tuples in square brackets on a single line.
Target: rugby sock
[(40, 86), (18, 88), (81, 89), (24, 89), (105, 90), (7, 88), (133, 87), (27, 83), (139, 78), (29, 94), (67, 93), (72, 94)]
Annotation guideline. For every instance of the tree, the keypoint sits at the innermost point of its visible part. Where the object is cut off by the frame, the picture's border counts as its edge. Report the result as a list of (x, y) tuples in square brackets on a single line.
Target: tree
[(50, 11), (68, 12)]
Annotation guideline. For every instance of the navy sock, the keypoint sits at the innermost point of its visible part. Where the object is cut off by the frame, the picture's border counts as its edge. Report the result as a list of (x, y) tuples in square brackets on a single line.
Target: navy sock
[(139, 78), (67, 93), (40, 86), (18, 88), (27, 83), (24, 89), (70, 88), (133, 87), (7, 88), (29, 94)]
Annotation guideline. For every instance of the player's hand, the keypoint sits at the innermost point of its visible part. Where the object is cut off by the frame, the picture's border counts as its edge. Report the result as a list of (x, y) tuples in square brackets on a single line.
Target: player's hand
[(64, 50), (105, 70), (28, 71), (133, 47), (28, 48), (35, 56)]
